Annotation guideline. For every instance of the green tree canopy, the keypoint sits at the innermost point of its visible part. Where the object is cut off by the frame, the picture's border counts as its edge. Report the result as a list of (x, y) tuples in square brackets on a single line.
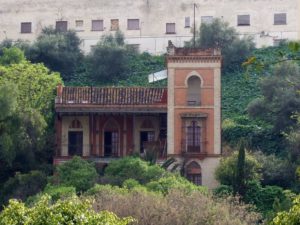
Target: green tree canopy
[(219, 34), (59, 51)]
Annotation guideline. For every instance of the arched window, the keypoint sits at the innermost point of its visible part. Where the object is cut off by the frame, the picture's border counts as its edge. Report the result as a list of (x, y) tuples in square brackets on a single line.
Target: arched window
[(75, 124), (193, 93), (193, 136), (193, 173)]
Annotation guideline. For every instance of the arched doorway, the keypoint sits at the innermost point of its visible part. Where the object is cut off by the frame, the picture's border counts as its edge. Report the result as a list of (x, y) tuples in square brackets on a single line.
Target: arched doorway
[(111, 139)]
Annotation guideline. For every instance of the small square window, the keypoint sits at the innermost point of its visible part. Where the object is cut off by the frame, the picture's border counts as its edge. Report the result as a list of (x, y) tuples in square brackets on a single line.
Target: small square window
[(97, 25), (170, 28), (280, 19), (26, 28), (206, 19), (114, 24), (79, 24), (243, 20), (133, 24), (61, 26), (187, 22)]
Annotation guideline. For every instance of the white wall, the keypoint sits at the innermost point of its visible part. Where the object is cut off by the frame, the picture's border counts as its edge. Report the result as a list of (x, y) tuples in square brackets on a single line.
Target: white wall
[(153, 15)]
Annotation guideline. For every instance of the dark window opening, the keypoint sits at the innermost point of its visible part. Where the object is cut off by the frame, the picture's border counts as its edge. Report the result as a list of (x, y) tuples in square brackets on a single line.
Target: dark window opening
[(25, 28), (75, 141), (145, 136), (243, 20), (195, 178), (280, 19), (111, 143), (170, 28), (61, 26)]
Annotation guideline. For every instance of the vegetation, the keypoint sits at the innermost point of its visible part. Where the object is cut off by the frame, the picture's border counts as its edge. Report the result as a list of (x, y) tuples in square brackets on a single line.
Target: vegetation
[(69, 211), (77, 173)]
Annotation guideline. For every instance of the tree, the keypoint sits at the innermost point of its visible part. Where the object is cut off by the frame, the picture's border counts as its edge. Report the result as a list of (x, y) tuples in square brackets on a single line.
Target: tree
[(280, 100), (59, 51), (77, 173), (219, 34), (226, 172), (108, 60), (69, 211), (27, 93), (240, 169), (11, 55)]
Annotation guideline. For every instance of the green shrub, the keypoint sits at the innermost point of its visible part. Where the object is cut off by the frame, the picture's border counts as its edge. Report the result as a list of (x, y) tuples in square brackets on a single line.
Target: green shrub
[(21, 186), (135, 168), (78, 173), (223, 191), (165, 184), (226, 171), (69, 211)]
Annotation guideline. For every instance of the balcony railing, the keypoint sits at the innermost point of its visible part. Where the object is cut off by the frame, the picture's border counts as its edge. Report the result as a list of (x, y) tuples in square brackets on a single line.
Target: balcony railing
[(72, 150), (193, 149)]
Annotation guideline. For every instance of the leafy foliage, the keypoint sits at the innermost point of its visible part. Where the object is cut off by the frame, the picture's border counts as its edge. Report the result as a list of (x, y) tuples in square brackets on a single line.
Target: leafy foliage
[(226, 172), (219, 34), (59, 51), (11, 55), (130, 167), (69, 211), (291, 217), (77, 173)]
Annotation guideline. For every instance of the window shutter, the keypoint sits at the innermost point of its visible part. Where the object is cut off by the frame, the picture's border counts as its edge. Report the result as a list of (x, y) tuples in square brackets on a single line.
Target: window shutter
[(243, 20), (26, 28), (187, 22), (279, 18), (97, 25), (62, 25), (133, 24), (170, 28)]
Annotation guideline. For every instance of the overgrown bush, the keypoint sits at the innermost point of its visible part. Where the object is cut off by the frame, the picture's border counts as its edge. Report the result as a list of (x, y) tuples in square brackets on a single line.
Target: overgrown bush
[(131, 167), (78, 173), (176, 208), (165, 184), (69, 211), (226, 171)]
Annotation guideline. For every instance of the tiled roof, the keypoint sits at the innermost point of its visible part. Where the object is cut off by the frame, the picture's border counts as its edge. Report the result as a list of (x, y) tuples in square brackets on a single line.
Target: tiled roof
[(112, 96)]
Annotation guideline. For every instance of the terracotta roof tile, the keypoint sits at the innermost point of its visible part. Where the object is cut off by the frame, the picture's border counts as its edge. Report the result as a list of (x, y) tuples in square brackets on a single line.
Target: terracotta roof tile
[(113, 96)]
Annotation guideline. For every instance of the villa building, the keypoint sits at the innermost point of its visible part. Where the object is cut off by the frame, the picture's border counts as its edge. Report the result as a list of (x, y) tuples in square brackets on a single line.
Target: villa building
[(181, 121)]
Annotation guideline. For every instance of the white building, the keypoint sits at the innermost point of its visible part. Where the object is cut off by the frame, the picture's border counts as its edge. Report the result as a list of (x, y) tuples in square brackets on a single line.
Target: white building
[(149, 24)]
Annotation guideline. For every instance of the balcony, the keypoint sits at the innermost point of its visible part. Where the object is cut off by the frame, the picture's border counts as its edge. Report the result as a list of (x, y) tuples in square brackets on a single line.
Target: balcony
[(197, 150)]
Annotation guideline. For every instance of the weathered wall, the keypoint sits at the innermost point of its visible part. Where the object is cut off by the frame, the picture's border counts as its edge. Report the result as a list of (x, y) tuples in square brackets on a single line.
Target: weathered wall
[(153, 15)]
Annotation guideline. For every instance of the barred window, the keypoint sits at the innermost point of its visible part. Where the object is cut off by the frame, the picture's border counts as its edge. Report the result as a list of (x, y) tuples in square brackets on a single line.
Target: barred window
[(193, 137)]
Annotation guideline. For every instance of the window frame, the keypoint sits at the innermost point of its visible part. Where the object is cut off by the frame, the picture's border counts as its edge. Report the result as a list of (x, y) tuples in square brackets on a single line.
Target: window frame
[(112, 28), (173, 30), (95, 27), (187, 22), (131, 27), (278, 21), (24, 29), (240, 20), (64, 25)]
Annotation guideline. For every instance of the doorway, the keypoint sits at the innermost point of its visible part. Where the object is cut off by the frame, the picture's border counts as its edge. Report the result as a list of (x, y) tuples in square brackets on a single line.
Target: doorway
[(111, 143), (145, 136), (75, 140)]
